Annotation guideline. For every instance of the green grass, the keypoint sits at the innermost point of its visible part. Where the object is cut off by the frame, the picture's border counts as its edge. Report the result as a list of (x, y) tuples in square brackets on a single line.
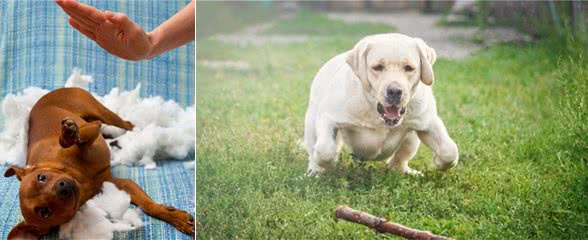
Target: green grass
[(522, 174)]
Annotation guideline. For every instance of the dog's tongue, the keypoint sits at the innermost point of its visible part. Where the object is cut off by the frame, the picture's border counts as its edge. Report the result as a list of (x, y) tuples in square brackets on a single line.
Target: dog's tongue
[(392, 112)]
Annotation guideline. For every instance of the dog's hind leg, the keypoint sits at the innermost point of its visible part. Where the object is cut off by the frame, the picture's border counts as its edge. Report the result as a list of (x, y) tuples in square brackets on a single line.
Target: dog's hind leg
[(407, 150), (108, 117), (87, 107), (181, 220)]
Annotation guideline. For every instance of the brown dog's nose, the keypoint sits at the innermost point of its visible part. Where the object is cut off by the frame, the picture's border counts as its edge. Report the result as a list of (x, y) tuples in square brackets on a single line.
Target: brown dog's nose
[(65, 189)]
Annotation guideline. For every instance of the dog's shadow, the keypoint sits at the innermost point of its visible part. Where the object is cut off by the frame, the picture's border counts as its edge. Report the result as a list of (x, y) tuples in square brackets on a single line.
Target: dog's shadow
[(358, 175)]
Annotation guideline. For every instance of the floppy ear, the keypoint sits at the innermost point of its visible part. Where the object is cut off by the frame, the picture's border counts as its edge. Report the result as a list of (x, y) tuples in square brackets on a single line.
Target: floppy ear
[(428, 57), (24, 230), (12, 170), (356, 58)]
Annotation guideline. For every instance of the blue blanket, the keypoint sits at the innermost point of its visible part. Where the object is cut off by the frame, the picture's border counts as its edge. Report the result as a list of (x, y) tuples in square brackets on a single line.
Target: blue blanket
[(39, 48)]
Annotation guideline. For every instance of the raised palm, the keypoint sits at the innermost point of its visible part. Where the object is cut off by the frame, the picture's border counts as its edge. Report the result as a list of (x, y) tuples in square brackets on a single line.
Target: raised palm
[(114, 32)]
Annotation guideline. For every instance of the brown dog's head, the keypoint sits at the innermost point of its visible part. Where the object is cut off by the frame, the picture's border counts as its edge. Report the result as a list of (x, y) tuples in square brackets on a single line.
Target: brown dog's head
[(48, 197)]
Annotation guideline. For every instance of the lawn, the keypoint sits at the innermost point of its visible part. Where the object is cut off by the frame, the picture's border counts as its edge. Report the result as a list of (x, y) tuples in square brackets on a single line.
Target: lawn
[(515, 113)]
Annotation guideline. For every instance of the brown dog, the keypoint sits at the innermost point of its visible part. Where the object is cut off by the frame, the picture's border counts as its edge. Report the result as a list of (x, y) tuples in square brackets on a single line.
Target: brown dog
[(67, 162)]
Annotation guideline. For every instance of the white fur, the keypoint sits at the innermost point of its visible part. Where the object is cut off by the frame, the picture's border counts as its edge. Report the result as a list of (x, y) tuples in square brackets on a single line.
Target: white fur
[(342, 109)]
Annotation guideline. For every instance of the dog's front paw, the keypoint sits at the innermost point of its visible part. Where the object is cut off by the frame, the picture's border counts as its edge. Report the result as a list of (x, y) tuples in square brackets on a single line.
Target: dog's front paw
[(181, 220), (70, 132), (405, 170), (412, 172), (314, 171), (128, 126), (446, 156), (445, 163)]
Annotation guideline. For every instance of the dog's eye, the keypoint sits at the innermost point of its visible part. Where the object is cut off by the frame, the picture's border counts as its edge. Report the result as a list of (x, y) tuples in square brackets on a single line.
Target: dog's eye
[(44, 212), (408, 68), (41, 178), (378, 67)]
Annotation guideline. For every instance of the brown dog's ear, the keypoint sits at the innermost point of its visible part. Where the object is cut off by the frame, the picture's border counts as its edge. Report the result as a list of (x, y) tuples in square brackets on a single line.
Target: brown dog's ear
[(12, 170), (356, 58), (26, 231), (428, 57)]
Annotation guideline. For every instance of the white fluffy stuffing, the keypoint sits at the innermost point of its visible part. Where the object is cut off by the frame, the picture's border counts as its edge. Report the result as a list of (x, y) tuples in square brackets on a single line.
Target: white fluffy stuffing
[(163, 129), (102, 215), (13, 138)]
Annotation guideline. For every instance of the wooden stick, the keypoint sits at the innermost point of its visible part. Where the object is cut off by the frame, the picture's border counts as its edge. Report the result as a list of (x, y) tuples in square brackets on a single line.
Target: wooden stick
[(382, 225)]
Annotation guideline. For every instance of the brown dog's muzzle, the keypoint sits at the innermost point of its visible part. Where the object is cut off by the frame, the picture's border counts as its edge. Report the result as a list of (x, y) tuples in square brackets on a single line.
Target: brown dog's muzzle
[(65, 188)]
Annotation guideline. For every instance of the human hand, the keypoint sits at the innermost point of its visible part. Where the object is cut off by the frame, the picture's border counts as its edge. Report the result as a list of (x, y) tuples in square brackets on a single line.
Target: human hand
[(114, 32)]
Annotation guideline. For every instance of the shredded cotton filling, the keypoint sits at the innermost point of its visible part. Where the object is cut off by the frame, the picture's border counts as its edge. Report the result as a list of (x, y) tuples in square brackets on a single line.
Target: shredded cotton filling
[(102, 215), (163, 130)]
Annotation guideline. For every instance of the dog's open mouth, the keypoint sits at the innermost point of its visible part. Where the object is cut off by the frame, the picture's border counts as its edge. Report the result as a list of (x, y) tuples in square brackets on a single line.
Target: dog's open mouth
[(391, 114)]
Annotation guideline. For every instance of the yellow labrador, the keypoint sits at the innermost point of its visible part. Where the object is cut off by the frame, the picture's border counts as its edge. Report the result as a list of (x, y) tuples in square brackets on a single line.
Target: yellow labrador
[(377, 100)]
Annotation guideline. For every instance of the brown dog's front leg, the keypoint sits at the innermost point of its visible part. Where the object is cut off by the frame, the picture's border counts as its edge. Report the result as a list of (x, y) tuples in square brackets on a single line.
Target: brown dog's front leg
[(72, 134), (181, 220), (24, 231)]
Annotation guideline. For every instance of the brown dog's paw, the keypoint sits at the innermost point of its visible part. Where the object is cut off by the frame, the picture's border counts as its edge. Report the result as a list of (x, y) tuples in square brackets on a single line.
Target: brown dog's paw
[(70, 133), (181, 220), (129, 126)]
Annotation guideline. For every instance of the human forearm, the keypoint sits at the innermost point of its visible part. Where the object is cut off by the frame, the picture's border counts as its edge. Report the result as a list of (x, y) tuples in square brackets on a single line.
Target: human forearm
[(175, 32)]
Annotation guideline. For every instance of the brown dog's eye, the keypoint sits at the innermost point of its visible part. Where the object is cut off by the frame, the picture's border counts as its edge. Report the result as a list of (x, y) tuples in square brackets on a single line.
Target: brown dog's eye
[(408, 68), (41, 178), (378, 67), (44, 212)]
